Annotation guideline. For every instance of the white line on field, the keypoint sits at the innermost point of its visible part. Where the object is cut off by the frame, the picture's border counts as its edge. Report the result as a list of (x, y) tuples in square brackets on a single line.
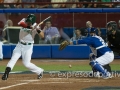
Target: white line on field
[(52, 82), (13, 86), (17, 84)]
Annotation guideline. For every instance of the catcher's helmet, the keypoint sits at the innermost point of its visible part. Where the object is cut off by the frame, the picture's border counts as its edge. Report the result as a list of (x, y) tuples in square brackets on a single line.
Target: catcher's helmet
[(31, 18), (113, 26), (93, 30)]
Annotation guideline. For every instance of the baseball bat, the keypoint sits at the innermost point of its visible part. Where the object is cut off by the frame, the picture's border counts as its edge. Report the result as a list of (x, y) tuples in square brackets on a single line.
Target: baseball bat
[(44, 20)]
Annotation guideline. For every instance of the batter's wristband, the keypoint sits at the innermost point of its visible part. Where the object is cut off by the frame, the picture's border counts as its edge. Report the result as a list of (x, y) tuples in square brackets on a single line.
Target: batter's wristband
[(38, 31)]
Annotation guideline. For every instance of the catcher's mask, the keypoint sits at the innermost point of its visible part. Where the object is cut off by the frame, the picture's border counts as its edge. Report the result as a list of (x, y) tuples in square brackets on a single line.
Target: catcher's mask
[(31, 18), (111, 26)]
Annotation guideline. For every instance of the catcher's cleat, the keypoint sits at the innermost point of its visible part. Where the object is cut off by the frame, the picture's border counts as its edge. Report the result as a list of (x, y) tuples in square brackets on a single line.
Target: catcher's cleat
[(5, 76), (107, 77), (40, 75)]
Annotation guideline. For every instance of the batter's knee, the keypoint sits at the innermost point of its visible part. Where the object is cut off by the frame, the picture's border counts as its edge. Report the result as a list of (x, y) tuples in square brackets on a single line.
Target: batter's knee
[(27, 65)]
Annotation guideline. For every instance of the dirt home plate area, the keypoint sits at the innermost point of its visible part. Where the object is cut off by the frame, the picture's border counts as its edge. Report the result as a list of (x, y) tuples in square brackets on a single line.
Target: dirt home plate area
[(48, 82)]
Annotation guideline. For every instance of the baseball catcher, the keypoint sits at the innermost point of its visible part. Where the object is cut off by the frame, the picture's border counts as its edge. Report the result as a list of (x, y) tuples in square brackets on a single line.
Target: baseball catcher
[(102, 50)]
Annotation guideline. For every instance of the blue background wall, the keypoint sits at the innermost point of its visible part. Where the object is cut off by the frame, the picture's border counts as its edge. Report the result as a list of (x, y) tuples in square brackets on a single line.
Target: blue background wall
[(52, 51)]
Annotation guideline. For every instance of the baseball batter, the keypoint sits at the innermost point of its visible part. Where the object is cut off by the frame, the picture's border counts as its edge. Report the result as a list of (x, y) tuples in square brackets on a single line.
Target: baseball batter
[(105, 54), (25, 46)]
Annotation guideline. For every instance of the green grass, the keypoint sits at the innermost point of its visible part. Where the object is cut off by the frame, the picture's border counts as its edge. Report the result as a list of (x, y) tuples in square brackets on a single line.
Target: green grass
[(60, 67)]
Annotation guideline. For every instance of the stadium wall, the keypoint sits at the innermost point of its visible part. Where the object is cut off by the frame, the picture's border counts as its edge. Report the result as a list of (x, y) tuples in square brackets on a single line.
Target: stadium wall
[(51, 51)]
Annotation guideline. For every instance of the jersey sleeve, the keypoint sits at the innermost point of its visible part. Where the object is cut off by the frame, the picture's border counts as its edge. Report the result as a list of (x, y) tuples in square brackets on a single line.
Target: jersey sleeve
[(87, 41)]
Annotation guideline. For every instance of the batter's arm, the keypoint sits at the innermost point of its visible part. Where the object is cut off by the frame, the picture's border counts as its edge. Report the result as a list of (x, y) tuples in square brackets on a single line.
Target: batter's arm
[(83, 41), (40, 32)]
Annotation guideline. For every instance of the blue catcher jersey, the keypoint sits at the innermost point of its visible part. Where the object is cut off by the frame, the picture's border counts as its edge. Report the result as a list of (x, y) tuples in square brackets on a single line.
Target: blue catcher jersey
[(95, 42)]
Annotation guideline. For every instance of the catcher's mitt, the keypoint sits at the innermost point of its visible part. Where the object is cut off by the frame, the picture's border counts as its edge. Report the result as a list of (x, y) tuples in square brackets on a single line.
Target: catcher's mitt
[(63, 45)]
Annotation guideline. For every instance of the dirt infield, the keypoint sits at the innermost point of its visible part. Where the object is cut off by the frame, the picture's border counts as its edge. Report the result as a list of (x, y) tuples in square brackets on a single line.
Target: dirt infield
[(30, 81)]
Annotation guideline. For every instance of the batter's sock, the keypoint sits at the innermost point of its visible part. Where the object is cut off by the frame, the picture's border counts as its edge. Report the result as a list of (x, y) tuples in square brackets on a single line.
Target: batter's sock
[(7, 70), (5, 75)]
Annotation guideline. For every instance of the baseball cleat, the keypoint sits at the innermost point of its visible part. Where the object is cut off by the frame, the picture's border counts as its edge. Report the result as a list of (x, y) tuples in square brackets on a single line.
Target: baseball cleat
[(40, 75), (1, 59), (108, 76), (4, 77)]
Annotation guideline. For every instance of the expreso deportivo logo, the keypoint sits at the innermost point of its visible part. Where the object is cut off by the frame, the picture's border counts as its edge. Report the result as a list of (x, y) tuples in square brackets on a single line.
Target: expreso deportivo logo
[(80, 74)]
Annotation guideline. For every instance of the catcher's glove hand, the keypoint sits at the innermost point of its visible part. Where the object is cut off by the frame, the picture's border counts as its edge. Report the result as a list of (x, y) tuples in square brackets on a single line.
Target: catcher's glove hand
[(63, 45)]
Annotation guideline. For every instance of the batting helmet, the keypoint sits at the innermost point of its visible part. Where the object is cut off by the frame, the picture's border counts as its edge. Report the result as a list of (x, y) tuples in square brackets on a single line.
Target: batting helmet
[(31, 18)]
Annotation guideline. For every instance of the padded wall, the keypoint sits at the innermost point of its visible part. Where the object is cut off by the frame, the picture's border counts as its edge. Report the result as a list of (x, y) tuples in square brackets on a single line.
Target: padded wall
[(71, 52), (7, 51), (39, 51), (52, 51)]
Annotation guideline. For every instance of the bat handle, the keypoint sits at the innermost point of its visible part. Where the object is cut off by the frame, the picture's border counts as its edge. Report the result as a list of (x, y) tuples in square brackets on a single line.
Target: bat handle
[(40, 23)]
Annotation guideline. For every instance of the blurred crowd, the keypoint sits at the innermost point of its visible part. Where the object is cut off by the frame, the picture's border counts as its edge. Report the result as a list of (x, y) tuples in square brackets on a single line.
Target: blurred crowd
[(52, 34), (71, 4)]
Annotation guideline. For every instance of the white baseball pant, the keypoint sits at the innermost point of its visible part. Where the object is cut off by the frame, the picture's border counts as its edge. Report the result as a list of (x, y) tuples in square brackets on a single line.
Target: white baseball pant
[(26, 52), (107, 58)]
